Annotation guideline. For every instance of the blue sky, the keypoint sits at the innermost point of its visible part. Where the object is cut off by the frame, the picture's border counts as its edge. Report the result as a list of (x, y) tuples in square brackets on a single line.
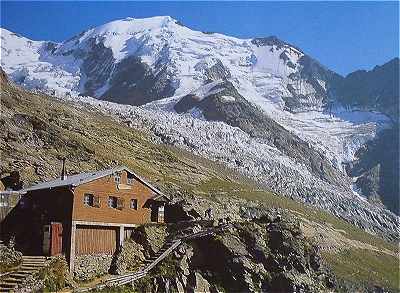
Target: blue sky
[(344, 36)]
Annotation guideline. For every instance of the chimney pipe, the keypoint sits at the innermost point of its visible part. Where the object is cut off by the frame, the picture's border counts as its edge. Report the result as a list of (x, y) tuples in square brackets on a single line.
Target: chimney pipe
[(63, 169)]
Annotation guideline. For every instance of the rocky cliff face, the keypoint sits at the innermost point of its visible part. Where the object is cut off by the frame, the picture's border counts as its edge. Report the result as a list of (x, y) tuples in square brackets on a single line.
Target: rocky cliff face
[(376, 169), (133, 82), (265, 255), (377, 89), (321, 79)]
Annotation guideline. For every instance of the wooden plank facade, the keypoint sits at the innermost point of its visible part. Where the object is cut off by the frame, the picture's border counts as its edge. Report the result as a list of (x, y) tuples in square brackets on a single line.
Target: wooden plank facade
[(56, 238), (106, 187)]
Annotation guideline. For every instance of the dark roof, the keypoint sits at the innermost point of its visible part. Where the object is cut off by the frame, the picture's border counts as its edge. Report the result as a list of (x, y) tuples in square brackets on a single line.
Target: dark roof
[(79, 179)]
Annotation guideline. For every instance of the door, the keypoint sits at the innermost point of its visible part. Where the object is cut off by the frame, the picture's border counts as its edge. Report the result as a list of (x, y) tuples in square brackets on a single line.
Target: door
[(56, 238), (46, 239)]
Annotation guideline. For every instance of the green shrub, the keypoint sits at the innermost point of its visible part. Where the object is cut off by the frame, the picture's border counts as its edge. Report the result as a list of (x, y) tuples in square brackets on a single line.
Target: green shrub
[(55, 274)]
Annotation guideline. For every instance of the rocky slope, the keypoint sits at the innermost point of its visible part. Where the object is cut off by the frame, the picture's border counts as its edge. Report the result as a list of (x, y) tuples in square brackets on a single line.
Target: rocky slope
[(375, 169), (255, 256), (377, 89)]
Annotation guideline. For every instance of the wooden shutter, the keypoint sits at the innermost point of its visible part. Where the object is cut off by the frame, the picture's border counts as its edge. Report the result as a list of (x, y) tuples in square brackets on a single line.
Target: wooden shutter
[(96, 201), (120, 203)]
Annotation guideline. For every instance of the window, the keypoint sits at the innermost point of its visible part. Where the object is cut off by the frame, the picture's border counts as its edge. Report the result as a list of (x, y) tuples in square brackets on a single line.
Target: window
[(134, 203), (130, 179), (88, 200), (112, 202), (117, 179), (120, 203), (3, 201)]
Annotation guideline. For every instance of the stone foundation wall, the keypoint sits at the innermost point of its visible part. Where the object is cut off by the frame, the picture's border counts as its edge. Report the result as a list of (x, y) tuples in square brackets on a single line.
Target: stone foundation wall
[(90, 266)]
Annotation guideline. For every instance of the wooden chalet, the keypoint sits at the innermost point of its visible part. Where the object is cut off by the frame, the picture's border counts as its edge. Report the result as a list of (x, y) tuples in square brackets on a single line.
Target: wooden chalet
[(83, 214)]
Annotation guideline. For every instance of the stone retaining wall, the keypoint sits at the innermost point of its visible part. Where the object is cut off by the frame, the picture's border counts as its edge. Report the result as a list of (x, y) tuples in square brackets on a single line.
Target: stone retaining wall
[(90, 266)]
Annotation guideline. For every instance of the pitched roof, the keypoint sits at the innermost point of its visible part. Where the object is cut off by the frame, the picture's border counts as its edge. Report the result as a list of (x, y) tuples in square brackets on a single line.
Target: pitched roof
[(79, 179)]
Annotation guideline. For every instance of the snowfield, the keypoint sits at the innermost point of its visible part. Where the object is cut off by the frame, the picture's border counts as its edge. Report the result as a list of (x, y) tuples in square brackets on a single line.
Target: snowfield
[(29, 63)]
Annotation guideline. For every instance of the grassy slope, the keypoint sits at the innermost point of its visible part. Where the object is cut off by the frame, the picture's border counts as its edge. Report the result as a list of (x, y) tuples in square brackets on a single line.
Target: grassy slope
[(381, 268), (92, 141)]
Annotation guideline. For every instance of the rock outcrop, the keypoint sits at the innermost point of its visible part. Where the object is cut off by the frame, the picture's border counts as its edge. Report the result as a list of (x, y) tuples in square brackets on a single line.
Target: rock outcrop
[(252, 256)]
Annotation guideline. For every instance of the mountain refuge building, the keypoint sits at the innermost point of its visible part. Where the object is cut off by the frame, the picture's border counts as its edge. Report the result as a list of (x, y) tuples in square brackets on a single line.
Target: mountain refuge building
[(83, 214)]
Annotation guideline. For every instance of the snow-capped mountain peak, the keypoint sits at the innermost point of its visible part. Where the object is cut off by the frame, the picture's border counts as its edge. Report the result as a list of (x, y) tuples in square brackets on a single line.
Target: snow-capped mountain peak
[(174, 59), (158, 60), (122, 36)]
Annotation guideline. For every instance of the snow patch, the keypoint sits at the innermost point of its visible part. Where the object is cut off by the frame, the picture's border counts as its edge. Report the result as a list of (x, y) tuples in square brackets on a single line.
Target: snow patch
[(228, 99), (208, 89)]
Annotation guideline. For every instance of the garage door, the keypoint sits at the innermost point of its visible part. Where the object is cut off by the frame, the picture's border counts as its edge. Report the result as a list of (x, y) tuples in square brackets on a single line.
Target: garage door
[(95, 240)]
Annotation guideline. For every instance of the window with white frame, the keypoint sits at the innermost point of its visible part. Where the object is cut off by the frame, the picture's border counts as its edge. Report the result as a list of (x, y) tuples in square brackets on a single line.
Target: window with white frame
[(134, 203), (117, 178), (112, 202), (88, 199), (130, 179)]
